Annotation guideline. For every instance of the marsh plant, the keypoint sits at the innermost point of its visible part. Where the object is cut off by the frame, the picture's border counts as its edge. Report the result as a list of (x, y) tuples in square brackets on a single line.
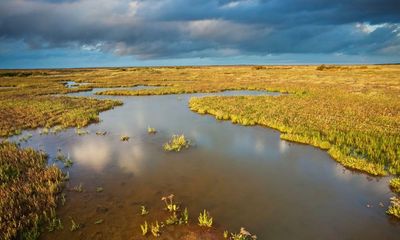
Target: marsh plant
[(101, 133), (99, 221), (173, 219), (155, 229), (25, 138), (144, 228), (242, 235), (63, 199), (143, 210), (395, 184), (185, 216), (28, 192), (205, 220), (177, 143), (226, 234), (44, 131), (169, 203), (394, 208), (57, 129), (54, 223), (66, 160), (151, 130), (78, 188), (124, 138), (74, 226), (81, 132)]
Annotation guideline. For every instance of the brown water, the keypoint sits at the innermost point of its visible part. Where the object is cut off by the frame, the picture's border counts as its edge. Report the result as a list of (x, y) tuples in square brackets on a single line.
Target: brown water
[(245, 176)]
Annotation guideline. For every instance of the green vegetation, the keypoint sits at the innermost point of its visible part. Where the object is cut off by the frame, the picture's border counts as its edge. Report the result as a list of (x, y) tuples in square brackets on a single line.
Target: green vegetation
[(143, 210), (394, 208), (155, 229), (78, 188), (124, 138), (395, 184), (176, 220), (352, 111), (359, 134), (81, 132), (74, 226), (176, 143), (101, 133), (151, 130), (66, 160), (169, 203), (242, 235), (28, 193), (205, 220), (144, 228), (99, 221), (46, 111)]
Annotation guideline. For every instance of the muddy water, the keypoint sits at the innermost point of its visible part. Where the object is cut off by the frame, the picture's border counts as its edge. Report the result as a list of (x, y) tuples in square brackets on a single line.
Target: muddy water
[(245, 176)]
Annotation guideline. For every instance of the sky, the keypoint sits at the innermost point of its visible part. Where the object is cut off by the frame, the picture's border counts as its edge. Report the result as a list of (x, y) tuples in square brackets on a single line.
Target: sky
[(97, 33)]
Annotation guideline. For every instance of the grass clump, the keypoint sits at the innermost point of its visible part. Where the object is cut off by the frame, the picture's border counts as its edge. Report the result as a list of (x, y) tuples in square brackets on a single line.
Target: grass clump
[(74, 226), (205, 220), (395, 184), (124, 138), (155, 229), (143, 210), (394, 208), (177, 143), (242, 235), (28, 192), (151, 130), (144, 228)]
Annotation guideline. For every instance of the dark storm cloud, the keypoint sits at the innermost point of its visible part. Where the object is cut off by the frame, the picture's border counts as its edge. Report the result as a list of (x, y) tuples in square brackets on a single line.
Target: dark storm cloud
[(204, 28)]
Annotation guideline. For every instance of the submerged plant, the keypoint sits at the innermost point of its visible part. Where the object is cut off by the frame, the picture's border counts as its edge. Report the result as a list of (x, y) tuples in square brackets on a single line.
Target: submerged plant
[(56, 129), (63, 199), (124, 138), (25, 138), (155, 229), (144, 228), (205, 220), (66, 160), (99, 221), (81, 132), (74, 226), (101, 133), (177, 143), (54, 223), (78, 188), (143, 210)]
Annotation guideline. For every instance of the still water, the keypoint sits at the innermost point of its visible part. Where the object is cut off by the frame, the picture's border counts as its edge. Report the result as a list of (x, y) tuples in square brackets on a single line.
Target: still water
[(244, 176)]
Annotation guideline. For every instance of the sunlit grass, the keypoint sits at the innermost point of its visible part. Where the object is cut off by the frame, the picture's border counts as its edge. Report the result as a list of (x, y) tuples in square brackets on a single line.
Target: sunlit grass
[(177, 143), (28, 190), (395, 184)]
